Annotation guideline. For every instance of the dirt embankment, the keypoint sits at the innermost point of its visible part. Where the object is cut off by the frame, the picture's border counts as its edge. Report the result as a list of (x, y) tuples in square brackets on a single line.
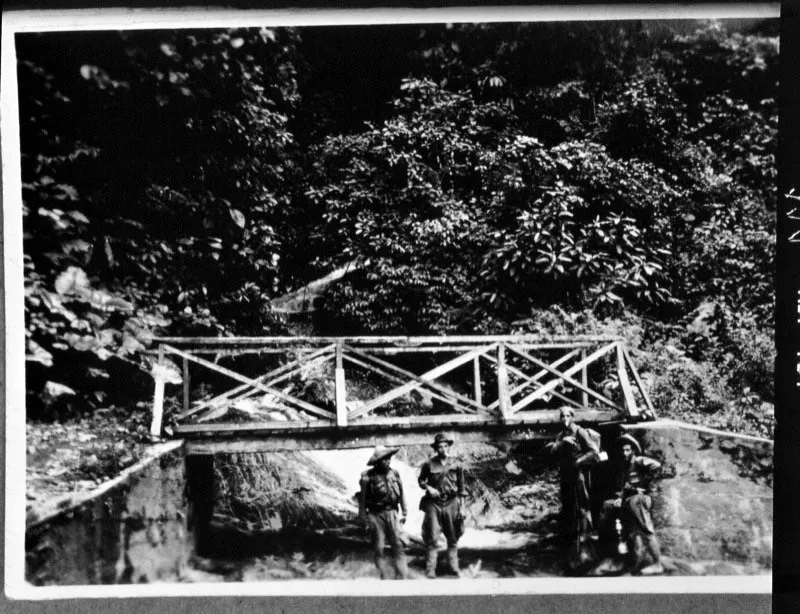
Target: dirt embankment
[(131, 530)]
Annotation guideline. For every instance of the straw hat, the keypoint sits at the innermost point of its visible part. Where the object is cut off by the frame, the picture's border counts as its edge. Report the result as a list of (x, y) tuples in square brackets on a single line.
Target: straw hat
[(630, 440), (380, 453)]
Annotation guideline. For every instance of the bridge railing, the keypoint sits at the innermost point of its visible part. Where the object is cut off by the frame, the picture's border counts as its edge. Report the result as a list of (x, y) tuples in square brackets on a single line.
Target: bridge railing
[(511, 378)]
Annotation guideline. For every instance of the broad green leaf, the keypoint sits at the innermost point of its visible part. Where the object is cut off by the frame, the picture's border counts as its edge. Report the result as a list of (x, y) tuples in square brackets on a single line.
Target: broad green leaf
[(72, 281)]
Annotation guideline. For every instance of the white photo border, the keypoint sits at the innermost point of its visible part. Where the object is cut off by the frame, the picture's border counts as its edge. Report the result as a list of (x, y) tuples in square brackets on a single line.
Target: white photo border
[(23, 21)]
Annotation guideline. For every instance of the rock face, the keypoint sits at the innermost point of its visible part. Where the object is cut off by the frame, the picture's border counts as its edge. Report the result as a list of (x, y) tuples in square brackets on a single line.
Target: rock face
[(136, 531), (714, 500), (271, 491)]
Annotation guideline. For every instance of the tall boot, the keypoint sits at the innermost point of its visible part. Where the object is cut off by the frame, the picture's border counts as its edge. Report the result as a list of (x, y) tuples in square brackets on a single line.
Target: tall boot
[(452, 560), (380, 563), (401, 565), (430, 562)]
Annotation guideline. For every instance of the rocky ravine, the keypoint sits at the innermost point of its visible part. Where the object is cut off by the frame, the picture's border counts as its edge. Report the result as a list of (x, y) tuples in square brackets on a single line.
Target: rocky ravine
[(712, 508)]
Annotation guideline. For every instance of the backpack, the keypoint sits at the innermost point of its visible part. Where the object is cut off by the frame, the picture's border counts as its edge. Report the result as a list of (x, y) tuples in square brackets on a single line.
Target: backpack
[(595, 438)]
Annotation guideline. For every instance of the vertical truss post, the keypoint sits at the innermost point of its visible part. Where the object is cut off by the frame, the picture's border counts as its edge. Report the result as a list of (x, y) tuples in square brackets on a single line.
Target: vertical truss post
[(624, 382), (186, 384), (158, 398), (584, 380), (341, 396), (476, 376), (502, 381)]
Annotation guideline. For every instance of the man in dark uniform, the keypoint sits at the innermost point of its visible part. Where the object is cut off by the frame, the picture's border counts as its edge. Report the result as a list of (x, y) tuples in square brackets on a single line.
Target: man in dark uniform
[(577, 454), (442, 479), (632, 502), (378, 502)]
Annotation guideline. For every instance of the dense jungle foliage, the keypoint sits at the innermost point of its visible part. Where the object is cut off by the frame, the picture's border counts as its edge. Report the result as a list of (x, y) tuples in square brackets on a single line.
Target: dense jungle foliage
[(557, 178)]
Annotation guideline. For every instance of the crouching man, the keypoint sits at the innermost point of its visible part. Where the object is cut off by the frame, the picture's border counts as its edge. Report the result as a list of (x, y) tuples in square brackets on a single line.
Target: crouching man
[(442, 480), (632, 502), (380, 498)]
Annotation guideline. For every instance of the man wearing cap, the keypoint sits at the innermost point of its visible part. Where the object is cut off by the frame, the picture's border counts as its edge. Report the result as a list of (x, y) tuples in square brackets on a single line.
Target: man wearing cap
[(442, 480), (632, 474), (577, 453), (380, 497)]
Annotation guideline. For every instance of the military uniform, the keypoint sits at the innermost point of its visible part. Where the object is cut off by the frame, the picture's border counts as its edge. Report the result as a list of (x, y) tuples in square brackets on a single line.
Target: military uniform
[(380, 497), (632, 490), (443, 514), (577, 452)]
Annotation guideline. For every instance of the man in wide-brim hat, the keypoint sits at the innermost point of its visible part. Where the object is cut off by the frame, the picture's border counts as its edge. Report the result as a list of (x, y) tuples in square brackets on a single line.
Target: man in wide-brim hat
[(380, 453), (442, 480), (632, 474), (379, 500)]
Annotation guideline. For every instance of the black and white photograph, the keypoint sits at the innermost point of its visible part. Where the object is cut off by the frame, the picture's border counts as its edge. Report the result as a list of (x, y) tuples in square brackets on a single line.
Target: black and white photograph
[(394, 308)]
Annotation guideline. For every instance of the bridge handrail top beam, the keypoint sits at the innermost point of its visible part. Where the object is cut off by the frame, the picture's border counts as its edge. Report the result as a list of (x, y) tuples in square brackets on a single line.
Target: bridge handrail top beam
[(383, 339)]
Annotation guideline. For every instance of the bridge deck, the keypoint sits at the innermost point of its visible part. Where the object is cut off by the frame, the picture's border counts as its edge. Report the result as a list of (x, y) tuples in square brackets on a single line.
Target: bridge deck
[(320, 435)]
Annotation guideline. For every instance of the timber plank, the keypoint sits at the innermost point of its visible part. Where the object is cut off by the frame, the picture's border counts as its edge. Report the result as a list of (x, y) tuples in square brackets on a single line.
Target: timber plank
[(378, 340), (364, 436), (432, 423)]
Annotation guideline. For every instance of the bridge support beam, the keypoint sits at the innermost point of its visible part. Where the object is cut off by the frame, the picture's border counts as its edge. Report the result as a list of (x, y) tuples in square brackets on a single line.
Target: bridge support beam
[(205, 440)]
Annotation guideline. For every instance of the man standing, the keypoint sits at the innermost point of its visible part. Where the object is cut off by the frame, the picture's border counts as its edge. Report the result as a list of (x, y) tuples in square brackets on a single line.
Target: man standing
[(442, 479), (632, 502), (577, 453), (380, 497)]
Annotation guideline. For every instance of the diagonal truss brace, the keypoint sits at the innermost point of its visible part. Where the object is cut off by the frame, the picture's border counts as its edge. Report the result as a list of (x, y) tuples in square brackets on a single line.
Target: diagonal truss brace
[(534, 379), (268, 379), (426, 379), (312, 409), (401, 380), (565, 376)]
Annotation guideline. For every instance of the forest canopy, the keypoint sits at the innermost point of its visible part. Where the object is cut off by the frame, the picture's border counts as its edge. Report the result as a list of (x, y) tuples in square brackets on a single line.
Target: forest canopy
[(613, 177)]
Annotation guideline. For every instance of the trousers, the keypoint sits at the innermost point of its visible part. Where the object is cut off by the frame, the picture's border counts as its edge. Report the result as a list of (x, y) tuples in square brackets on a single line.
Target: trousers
[(385, 528), (441, 517), (576, 502), (635, 513)]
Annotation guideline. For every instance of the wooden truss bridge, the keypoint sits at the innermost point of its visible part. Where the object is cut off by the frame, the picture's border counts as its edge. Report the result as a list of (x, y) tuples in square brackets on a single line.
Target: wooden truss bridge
[(481, 388)]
